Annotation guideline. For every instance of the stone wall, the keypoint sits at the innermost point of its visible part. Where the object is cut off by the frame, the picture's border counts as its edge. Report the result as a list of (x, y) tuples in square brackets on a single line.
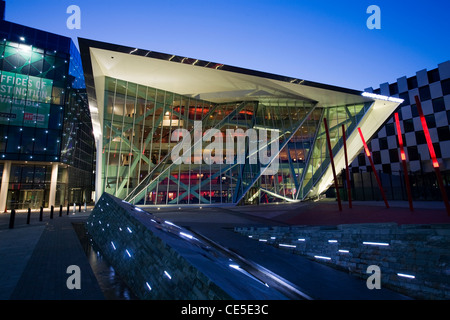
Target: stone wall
[(413, 259), (162, 261), (151, 269)]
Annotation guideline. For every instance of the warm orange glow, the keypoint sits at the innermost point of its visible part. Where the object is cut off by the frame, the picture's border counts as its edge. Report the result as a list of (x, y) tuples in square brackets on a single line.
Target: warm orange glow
[(400, 138), (402, 155), (364, 143), (435, 163), (427, 134)]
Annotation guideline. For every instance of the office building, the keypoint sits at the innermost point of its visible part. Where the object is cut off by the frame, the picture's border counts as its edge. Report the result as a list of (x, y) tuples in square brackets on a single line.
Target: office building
[(46, 141), (139, 98)]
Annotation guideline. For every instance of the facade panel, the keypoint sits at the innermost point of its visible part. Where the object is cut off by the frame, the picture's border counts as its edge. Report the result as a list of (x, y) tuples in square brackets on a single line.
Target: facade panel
[(435, 100), (435, 107)]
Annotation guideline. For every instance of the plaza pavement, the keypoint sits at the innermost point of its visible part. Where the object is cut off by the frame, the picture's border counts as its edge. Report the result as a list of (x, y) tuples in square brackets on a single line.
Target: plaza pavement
[(35, 256)]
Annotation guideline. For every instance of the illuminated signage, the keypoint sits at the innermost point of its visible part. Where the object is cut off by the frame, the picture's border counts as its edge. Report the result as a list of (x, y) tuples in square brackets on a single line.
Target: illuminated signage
[(24, 100)]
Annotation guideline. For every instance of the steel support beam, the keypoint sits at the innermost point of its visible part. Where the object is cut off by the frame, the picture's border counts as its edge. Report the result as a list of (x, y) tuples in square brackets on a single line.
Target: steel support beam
[(403, 159), (373, 168), (347, 172), (330, 151)]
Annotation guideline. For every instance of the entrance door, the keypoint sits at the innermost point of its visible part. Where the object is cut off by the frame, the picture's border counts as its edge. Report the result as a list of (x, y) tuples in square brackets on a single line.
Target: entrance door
[(33, 199)]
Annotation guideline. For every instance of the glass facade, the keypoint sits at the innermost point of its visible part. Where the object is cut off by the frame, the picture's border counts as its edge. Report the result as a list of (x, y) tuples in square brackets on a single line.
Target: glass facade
[(138, 137), (173, 130), (30, 103), (29, 185), (44, 116)]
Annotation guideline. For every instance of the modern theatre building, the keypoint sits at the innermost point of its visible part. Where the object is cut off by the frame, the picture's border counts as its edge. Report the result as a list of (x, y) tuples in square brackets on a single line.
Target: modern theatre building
[(145, 105)]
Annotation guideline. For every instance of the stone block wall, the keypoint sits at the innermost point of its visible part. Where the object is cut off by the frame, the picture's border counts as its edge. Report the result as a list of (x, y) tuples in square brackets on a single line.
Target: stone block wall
[(149, 266), (413, 259), (160, 260)]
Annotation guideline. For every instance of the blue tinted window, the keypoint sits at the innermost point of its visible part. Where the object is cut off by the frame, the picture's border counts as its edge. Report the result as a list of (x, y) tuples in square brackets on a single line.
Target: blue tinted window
[(40, 143), (56, 117), (14, 140), (53, 144), (27, 140)]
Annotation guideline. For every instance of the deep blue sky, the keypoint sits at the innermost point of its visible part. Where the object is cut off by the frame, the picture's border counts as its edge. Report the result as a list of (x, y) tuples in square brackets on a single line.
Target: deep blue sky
[(324, 41)]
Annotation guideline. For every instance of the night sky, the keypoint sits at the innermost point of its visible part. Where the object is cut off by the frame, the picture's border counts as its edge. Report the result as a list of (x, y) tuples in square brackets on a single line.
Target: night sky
[(323, 41)]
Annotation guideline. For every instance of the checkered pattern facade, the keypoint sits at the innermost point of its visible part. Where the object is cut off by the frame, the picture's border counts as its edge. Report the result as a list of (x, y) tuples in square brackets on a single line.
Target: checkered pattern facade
[(433, 88)]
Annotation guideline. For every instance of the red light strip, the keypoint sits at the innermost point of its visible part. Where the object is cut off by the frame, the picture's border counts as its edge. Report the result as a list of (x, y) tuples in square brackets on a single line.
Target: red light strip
[(427, 133), (364, 143), (433, 156), (400, 138)]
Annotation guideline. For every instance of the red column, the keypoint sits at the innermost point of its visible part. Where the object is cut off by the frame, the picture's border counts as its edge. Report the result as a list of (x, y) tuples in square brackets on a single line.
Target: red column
[(373, 168), (432, 154), (347, 173), (403, 158), (330, 151)]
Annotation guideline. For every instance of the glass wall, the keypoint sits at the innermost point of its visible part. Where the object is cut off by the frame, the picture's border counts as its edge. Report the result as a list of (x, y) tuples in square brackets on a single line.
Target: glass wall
[(29, 186), (138, 138), (44, 114), (32, 95), (140, 134), (349, 116)]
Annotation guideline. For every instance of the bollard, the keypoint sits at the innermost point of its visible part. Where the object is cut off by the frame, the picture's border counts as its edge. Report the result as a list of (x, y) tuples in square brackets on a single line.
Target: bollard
[(68, 209), (79, 207), (51, 212), (28, 216), (40, 214), (85, 206), (74, 208), (60, 210), (12, 217)]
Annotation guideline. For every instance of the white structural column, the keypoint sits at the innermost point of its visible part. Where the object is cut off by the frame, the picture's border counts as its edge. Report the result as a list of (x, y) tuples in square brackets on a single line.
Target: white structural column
[(98, 169), (5, 185), (53, 183)]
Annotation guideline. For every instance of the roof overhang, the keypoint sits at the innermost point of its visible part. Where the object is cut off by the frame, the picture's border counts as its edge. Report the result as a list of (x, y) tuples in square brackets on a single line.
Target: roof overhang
[(210, 81)]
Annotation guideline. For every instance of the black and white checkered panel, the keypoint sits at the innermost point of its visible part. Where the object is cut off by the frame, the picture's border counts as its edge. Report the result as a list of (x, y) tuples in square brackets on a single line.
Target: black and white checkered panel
[(433, 88)]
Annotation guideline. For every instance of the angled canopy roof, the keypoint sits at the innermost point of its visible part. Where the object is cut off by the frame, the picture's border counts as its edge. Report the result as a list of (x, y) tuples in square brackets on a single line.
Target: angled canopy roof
[(218, 83), (210, 81)]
